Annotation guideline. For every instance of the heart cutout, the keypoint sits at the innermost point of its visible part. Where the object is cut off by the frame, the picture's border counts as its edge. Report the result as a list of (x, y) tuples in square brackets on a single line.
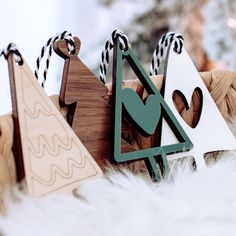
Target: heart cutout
[(190, 114), (145, 114)]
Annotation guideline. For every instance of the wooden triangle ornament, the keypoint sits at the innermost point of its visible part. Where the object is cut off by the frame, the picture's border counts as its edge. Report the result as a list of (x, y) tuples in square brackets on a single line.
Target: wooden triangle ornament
[(54, 158), (210, 132), (88, 113), (144, 116)]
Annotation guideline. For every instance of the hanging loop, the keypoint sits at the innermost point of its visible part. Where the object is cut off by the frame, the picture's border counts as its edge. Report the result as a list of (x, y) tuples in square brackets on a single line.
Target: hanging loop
[(161, 49), (109, 45), (67, 36), (12, 48)]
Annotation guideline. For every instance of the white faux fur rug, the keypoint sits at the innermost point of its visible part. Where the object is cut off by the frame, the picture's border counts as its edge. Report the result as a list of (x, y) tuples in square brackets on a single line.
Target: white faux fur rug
[(194, 204)]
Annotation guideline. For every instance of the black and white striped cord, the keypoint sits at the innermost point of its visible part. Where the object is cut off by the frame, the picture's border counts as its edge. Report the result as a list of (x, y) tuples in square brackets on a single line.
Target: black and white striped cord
[(68, 37), (161, 49), (12, 48), (109, 45)]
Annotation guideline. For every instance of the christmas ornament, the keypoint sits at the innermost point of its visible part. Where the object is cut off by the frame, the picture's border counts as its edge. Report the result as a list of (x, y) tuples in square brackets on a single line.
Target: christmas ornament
[(88, 113), (54, 158), (210, 132), (145, 116)]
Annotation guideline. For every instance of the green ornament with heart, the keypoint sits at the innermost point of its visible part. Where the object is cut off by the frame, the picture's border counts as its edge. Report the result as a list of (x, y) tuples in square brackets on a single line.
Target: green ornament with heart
[(144, 116)]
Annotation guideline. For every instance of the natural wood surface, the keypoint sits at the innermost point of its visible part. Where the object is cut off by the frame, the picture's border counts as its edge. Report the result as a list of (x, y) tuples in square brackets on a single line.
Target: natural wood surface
[(88, 113), (190, 113), (54, 158)]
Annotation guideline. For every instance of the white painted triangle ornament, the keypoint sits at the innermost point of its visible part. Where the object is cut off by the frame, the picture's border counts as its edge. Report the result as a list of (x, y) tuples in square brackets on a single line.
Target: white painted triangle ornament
[(211, 132), (54, 158)]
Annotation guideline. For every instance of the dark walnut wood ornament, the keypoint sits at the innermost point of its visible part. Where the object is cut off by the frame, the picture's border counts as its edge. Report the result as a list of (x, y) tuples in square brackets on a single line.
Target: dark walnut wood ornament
[(88, 113)]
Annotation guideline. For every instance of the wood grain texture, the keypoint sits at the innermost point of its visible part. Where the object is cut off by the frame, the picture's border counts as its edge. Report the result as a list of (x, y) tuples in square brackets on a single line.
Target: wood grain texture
[(54, 158), (190, 113), (88, 113)]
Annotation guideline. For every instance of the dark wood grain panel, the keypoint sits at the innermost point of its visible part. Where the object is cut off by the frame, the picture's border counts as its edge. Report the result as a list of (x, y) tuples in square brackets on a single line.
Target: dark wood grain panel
[(88, 113)]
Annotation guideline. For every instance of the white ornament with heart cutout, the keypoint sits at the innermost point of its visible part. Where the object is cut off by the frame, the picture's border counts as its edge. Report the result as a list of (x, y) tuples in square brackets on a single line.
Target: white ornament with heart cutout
[(211, 132)]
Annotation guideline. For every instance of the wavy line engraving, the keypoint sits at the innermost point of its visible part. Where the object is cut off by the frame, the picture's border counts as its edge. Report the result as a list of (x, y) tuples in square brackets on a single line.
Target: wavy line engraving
[(56, 170), (54, 149), (27, 100), (37, 109)]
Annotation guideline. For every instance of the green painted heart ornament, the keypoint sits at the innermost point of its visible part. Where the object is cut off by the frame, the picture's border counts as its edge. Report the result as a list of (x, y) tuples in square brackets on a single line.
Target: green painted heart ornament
[(145, 114)]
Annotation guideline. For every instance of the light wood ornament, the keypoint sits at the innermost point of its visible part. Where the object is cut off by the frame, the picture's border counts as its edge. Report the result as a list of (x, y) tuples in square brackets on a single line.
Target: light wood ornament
[(54, 158), (211, 132), (88, 113)]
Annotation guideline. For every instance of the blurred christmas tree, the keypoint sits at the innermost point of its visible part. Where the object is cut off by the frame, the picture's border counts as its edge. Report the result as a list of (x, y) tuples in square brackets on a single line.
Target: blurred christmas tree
[(219, 32), (206, 25)]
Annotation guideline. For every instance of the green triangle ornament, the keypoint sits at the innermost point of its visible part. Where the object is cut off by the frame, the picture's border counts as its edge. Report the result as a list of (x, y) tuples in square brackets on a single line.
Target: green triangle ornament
[(144, 116)]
